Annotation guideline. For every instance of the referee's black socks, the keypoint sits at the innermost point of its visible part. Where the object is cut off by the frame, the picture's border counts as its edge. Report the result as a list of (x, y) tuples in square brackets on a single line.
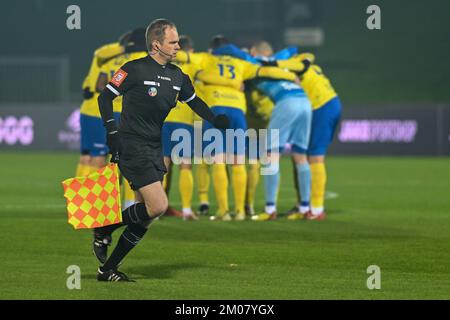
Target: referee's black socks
[(135, 217), (135, 213), (130, 237)]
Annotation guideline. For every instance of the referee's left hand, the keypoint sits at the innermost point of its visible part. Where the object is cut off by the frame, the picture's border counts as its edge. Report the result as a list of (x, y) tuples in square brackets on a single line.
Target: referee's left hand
[(221, 121), (115, 157), (113, 142)]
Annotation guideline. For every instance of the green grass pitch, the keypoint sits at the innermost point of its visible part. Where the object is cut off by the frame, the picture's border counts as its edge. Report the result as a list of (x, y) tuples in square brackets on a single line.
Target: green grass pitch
[(389, 212)]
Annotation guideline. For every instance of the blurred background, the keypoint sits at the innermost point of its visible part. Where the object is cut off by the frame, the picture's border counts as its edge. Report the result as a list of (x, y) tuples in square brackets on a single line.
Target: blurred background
[(394, 82)]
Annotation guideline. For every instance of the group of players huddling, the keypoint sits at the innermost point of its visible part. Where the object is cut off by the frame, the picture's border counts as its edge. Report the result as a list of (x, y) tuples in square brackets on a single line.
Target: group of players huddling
[(286, 89)]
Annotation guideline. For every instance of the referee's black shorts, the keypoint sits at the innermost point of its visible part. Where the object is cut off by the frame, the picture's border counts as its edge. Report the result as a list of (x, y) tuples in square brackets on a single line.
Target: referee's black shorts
[(141, 164)]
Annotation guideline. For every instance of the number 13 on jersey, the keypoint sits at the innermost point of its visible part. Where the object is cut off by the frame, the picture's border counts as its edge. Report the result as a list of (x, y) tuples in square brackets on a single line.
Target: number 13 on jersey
[(229, 69)]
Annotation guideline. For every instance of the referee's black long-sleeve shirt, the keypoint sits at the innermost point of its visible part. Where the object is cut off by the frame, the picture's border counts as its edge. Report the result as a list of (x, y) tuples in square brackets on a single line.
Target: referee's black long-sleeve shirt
[(150, 91)]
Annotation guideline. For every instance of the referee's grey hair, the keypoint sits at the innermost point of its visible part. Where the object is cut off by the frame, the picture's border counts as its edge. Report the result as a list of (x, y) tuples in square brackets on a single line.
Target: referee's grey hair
[(156, 30)]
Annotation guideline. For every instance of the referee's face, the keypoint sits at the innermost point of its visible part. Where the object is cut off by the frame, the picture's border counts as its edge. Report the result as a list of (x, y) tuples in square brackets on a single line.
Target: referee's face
[(170, 43)]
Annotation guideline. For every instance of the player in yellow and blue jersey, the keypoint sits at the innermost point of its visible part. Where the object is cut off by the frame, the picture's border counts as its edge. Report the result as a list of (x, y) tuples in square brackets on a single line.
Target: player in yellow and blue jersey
[(181, 118), (194, 61), (291, 116), (258, 115), (231, 101), (91, 156), (326, 116)]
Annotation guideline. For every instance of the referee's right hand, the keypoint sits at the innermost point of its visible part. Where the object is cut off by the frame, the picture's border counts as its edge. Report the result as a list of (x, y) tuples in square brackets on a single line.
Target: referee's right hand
[(113, 143), (221, 121)]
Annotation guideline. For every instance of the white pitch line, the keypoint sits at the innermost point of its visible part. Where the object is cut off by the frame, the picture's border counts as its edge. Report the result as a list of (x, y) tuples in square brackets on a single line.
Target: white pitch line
[(331, 195)]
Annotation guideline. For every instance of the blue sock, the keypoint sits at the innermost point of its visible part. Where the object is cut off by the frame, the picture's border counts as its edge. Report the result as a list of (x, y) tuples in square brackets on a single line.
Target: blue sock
[(271, 187), (304, 181)]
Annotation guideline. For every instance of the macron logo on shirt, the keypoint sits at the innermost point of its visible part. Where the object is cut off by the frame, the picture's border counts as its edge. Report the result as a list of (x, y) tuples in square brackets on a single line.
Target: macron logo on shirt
[(164, 78)]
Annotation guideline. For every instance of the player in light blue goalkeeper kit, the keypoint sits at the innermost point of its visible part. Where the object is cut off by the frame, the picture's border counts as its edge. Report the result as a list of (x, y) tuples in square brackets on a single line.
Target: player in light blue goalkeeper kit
[(292, 116)]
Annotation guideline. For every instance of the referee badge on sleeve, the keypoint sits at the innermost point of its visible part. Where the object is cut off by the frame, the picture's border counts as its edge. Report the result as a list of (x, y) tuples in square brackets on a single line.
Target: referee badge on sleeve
[(119, 77), (152, 92)]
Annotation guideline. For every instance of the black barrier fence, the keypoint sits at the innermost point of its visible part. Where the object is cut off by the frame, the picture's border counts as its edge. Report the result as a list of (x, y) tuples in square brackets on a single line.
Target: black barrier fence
[(364, 130)]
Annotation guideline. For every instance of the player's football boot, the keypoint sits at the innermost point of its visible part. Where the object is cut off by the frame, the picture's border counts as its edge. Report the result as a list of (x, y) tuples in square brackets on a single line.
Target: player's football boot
[(240, 216), (296, 216), (265, 216), (113, 276), (203, 209), (171, 212), (318, 217), (221, 217), (294, 209), (249, 210), (100, 246), (190, 216)]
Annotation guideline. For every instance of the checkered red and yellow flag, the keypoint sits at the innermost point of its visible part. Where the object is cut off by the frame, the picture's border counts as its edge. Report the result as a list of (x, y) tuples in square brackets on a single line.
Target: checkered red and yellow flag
[(94, 201)]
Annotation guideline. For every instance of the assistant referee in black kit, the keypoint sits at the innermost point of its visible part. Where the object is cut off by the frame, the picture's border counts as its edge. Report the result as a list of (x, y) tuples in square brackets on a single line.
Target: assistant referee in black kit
[(150, 86)]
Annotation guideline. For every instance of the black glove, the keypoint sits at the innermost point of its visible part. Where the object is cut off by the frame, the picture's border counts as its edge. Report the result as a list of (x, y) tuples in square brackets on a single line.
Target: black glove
[(221, 121), (307, 64), (113, 143), (269, 63)]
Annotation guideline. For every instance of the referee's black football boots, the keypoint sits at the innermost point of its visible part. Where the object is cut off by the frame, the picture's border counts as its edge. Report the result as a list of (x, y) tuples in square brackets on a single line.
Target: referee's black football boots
[(100, 246), (112, 276)]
